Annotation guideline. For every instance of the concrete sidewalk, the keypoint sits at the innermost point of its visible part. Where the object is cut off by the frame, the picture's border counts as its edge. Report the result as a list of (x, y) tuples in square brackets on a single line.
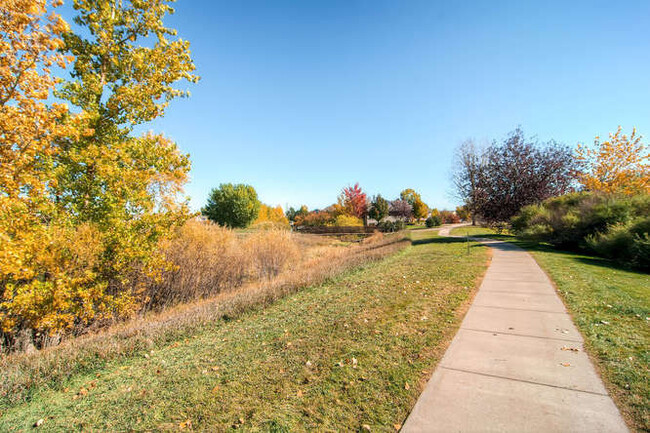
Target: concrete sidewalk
[(517, 363)]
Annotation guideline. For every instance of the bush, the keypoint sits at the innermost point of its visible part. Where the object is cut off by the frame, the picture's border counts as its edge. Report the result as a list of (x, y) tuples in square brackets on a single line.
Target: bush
[(317, 218), (433, 221), (627, 243), (449, 217), (612, 226), (348, 221), (391, 226)]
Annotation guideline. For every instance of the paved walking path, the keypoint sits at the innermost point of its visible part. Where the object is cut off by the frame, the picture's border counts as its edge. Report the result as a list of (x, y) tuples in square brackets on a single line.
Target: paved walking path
[(517, 363)]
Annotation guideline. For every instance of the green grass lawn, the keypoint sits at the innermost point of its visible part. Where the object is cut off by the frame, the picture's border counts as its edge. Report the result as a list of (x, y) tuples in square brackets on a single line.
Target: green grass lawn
[(416, 226), (346, 355), (611, 307)]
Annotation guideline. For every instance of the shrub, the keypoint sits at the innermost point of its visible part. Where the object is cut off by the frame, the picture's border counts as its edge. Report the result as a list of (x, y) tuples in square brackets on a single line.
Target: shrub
[(627, 243), (205, 261), (449, 217), (348, 221), (433, 221), (391, 226), (609, 225), (316, 218)]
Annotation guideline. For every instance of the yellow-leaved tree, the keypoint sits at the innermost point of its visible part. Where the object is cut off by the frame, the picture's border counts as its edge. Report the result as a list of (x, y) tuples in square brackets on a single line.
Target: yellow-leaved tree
[(31, 232), (273, 215), (87, 201), (617, 165)]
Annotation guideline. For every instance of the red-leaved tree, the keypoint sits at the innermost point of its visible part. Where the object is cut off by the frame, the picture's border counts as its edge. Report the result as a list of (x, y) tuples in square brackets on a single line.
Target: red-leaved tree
[(354, 201)]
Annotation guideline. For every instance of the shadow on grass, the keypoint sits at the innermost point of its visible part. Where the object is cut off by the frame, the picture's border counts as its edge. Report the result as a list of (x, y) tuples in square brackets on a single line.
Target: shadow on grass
[(444, 240)]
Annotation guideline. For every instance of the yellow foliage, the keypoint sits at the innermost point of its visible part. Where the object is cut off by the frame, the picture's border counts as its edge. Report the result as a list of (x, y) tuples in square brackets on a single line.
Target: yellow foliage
[(271, 214), (83, 204), (348, 221), (618, 165)]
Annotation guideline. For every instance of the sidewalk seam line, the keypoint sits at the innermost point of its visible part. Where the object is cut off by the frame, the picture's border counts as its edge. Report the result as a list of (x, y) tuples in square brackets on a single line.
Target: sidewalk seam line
[(520, 293), (519, 309), (521, 335), (523, 381)]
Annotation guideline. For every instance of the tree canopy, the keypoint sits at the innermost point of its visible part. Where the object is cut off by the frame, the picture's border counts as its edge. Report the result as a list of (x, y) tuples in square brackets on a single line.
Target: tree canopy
[(420, 209), (84, 201), (379, 208), (235, 206), (507, 175), (617, 165)]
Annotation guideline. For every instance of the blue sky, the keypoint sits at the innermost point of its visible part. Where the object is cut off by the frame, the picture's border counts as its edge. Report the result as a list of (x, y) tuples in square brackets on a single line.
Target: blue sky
[(301, 98)]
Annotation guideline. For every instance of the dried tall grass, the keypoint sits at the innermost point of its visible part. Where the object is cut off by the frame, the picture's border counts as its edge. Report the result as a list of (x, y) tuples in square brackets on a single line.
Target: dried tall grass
[(22, 373), (208, 259)]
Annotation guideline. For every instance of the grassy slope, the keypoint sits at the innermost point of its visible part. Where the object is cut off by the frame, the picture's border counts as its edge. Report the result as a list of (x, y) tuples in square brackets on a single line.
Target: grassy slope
[(354, 351), (611, 307)]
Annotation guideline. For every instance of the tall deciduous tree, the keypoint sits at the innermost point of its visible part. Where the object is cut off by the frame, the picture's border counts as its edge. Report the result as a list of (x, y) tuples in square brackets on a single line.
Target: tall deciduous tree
[(465, 176), (96, 198), (271, 214), (519, 172), (618, 165), (127, 63), (35, 280), (231, 205)]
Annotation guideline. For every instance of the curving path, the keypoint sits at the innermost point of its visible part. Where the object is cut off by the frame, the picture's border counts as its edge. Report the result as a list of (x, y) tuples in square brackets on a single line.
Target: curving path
[(517, 362)]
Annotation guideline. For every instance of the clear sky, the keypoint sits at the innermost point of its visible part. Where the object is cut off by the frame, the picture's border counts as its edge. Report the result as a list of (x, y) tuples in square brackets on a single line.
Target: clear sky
[(301, 98)]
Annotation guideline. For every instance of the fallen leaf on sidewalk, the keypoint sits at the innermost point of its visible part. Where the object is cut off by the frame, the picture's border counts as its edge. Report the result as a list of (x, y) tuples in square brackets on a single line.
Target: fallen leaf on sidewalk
[(572, 349), (565, 364)]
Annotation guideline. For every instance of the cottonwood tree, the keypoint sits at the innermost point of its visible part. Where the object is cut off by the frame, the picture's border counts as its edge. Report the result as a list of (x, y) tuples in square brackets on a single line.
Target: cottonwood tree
[(271, 214), (126, 70), (235, 206), (104, 197), (518, 172), (29, 42), (617, 165)]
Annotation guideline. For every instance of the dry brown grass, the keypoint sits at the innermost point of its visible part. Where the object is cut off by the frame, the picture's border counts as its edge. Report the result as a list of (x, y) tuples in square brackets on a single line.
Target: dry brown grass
[(274, 258), (208, 259)]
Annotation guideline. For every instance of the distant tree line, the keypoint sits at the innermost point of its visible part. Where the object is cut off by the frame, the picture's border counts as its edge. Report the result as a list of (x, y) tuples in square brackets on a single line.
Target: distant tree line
[(238, 206)]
